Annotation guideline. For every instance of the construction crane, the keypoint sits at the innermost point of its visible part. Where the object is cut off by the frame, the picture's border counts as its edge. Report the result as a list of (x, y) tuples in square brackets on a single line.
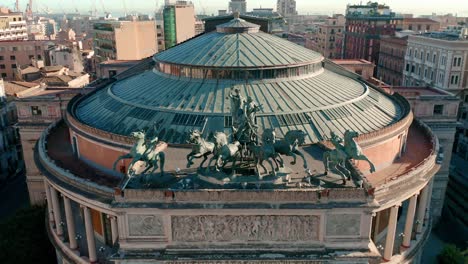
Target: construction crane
[(125, 7), (93, 9), (104, 8), (29, 9)]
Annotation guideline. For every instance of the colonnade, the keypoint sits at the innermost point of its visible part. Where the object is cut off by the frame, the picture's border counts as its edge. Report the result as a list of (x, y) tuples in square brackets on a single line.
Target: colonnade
[(55, 218), (414, 221)]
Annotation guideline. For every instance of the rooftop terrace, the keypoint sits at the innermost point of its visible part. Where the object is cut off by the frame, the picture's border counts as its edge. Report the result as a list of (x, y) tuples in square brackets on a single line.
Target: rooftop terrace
[(419, 157)]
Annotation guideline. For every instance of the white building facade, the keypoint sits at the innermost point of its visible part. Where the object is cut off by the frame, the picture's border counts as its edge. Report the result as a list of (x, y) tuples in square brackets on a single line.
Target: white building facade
[(436, 60)]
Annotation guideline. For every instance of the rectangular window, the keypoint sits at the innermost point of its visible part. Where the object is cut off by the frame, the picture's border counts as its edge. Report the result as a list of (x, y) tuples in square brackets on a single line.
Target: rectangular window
[(112, 73), (36, 111), (4, 75), (466, 98), (13, 66), (12, 57), (2, 58), (438, 109), (407, 67), (434, 58), (2, 66)]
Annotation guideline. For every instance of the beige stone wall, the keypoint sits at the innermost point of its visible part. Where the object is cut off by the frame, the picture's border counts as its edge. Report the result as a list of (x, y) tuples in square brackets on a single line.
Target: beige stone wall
[(185, 22), (34, 179), (136, 40)]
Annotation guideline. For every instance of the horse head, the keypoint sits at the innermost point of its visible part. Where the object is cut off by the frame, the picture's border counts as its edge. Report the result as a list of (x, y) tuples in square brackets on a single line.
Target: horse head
[(351, 134), (269, 136), (194, 136), (138, 134), (295, 136), (221, 139)]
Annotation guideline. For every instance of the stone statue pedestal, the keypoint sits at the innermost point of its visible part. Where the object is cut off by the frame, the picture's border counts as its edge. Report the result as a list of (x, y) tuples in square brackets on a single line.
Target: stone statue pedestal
[(244, 177)]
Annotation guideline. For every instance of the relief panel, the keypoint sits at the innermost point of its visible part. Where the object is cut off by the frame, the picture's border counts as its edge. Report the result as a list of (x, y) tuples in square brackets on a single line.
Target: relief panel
[(343, 225), (229, 228), (145, 225)]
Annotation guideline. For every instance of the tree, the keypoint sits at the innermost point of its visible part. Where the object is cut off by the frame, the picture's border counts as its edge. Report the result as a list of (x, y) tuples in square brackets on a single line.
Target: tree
[(450, 254), (23, 238)]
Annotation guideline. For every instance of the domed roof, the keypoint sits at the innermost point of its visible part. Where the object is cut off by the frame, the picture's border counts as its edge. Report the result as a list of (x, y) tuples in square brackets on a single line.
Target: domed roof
[(238, 44), (178, 96)]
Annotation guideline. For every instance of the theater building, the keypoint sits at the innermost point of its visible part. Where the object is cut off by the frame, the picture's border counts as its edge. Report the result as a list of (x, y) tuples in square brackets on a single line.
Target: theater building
[(381, 216)]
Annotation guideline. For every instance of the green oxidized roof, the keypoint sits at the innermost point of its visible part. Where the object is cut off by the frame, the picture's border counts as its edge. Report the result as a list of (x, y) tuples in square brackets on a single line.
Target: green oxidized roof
[(248, 49), (318, 103)]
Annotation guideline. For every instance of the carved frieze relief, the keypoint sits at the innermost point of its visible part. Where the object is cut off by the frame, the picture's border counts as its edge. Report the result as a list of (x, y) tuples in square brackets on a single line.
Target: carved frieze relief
[(229, 228)]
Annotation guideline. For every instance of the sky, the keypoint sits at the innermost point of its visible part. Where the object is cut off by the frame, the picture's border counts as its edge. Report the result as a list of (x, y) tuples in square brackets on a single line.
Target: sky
[(420, 7)]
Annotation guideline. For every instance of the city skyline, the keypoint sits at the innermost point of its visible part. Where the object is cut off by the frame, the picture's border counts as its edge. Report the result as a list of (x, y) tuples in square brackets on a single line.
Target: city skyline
[(210, 7)]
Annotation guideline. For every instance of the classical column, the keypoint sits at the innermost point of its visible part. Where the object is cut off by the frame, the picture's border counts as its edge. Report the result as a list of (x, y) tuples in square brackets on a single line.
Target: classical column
[(50, 209), (423, 201), (390, 239), (377, 225), (114, 229), (57, 214), (70, 223), (409, 221), (90, 235)]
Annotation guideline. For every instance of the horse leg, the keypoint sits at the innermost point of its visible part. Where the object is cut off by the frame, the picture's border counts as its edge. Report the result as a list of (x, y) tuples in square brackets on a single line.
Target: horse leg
[(264, 168), (362, 157), (273, 171), (205, 157), (189, 159), (218, 161), (303, 158), (259, 175), (209, 163), (325, 160), (162, 161), (344, 171), (292, 154), (276, 163), (279, 159), (126, 156)]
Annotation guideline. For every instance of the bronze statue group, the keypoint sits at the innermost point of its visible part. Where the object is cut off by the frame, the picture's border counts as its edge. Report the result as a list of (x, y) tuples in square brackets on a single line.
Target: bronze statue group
[(243, 148)]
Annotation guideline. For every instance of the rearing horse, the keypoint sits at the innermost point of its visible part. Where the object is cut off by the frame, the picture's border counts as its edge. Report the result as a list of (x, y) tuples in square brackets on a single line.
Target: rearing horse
[(353, 150), (149, 153), (341, 153), (201, 148)]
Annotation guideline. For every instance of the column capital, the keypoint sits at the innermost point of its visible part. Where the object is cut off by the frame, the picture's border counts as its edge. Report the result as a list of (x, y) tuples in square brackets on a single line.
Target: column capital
[(112, 217)]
